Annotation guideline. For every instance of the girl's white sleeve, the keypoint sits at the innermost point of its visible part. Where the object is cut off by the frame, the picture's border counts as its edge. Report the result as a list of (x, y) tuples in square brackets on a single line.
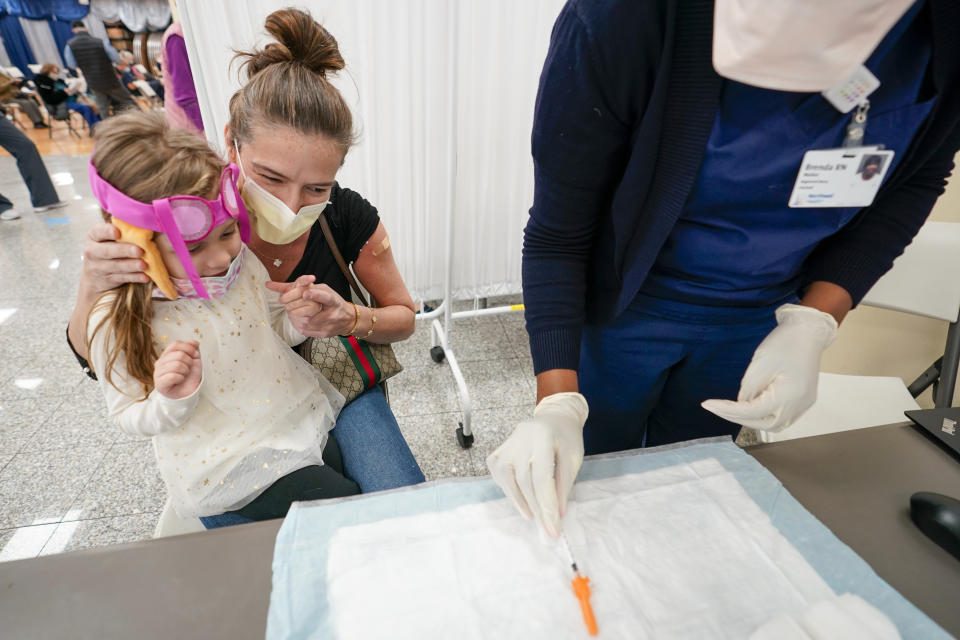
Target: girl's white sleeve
[(279, 319), (127, 409)]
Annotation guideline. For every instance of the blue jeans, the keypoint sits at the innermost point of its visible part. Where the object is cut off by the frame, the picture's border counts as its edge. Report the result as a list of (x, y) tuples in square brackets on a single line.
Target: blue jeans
[(645, 375), (32, 169), (87, 112), (373, 451), (227, 519), (375, 455)]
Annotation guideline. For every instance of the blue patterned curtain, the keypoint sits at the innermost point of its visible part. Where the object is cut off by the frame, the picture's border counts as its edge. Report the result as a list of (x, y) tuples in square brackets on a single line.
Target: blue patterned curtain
[(43, 9), (18, 49)]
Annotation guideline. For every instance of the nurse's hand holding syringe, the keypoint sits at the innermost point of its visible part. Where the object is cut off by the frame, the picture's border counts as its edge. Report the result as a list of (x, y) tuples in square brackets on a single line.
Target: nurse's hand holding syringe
[(537, 464)]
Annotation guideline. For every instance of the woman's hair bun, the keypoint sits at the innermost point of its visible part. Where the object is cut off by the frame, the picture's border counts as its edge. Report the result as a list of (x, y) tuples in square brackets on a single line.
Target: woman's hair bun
[(300, 40)]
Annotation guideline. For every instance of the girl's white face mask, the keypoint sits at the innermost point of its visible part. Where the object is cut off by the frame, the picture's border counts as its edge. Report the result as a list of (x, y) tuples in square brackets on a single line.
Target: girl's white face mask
[(271, 218), (798, 45), (216, 286)]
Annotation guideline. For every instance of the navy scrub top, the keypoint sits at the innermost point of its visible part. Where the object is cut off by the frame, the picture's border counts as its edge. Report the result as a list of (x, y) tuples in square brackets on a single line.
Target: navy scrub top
[(737, 243)]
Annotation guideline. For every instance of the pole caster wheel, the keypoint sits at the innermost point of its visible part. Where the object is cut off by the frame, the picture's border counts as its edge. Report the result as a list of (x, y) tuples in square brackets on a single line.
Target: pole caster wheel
[(437, 354), (465, 442)]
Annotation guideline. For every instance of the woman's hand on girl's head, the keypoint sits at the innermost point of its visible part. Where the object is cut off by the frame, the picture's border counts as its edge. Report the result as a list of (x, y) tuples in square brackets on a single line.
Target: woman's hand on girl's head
[(315, 310), (107, 263), (178, 370)]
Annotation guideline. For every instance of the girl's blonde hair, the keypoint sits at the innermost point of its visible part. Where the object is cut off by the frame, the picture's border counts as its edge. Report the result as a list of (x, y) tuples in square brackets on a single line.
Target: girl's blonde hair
[(139, 154)]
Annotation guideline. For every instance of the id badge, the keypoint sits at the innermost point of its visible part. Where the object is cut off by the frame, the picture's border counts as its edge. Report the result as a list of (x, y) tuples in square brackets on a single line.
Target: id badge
[(852, 91), (848, 177)]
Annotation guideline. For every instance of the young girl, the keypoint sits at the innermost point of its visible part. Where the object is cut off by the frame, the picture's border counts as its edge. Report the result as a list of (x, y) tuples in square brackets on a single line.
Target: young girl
[(200, 358)]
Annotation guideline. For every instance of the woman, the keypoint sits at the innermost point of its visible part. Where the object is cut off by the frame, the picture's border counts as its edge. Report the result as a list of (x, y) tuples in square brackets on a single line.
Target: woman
[(58, 100), (290, 130), (668, 272)]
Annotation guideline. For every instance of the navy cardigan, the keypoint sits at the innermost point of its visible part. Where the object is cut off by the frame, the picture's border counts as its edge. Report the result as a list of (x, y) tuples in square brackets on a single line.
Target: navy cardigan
[(625, 106)]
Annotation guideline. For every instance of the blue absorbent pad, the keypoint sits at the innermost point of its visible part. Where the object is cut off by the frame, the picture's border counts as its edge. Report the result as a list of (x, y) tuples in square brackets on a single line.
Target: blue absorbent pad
[(299, 608)]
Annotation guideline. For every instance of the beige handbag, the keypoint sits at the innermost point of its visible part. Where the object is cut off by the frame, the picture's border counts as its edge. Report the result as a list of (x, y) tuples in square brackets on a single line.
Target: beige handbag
[(351, 364)]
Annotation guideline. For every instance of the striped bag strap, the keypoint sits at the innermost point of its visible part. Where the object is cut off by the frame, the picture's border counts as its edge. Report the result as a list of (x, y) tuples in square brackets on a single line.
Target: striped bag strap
[(325, 227)]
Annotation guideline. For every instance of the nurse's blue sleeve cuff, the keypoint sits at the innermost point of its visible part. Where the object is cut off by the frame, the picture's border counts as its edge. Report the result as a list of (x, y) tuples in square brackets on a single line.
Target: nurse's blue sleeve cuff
[(555, 349)]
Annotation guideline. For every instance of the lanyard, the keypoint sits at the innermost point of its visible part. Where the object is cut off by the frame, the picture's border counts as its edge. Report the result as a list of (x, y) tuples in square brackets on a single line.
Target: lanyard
[(858, 125)]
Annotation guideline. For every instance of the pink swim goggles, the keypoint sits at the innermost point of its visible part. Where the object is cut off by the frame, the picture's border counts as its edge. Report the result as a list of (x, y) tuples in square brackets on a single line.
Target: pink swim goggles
[(182, 218)]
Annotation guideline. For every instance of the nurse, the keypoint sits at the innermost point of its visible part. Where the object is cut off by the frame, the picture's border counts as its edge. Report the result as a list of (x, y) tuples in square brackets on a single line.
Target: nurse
[(715, 188)]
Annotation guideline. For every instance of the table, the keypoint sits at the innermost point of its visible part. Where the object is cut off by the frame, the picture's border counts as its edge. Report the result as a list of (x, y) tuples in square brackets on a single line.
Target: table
[(859, 483), (216, 584)]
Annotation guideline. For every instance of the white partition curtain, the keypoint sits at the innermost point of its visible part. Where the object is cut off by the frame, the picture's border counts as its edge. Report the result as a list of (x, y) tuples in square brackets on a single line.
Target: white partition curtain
[(397, 84), (41, 41), (136, 15)]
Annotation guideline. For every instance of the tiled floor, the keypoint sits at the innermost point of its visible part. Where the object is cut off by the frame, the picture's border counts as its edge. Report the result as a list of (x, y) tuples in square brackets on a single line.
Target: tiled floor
[(69, 480)]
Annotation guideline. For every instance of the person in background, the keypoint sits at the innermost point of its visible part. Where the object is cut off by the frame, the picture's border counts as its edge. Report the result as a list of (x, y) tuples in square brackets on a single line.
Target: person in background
[(26, 102), (183, 110), (42, 194), (95, 58), (128, 79), (129, 74), (57, 96)]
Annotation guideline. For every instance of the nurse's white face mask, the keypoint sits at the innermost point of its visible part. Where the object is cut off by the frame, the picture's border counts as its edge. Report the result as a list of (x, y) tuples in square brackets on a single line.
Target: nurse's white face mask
[(271, 218), (798, 45)]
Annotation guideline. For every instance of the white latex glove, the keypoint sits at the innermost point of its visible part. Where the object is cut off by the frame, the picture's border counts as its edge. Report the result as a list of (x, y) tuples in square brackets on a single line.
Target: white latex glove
[(780, 383), (537, 464)]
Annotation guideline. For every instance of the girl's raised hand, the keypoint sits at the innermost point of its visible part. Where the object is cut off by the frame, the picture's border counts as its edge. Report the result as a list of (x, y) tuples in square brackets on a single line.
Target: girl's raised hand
[(178, 370)]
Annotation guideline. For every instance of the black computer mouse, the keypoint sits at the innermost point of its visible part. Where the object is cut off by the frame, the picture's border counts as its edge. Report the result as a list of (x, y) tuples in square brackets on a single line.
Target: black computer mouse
[(938, 516)]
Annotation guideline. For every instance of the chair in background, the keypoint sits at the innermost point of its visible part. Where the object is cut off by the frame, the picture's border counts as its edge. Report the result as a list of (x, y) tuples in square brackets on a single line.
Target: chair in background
[(924, 281), (928, 284), (68, 119), (61, 113)]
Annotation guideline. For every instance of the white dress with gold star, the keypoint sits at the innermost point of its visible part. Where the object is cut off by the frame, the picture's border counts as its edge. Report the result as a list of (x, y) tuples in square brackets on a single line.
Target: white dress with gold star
[(260, 412)]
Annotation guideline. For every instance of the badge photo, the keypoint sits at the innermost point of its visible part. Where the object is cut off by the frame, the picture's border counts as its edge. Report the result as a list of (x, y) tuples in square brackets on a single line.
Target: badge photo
[(848, 177)]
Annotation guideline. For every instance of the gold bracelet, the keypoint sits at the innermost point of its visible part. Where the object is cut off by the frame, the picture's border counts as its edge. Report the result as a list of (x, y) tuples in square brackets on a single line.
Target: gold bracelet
[(356, 321), (373, 323)]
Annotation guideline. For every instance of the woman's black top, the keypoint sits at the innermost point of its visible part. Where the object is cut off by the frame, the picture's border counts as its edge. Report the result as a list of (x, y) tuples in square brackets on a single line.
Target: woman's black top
[(352, 221)]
